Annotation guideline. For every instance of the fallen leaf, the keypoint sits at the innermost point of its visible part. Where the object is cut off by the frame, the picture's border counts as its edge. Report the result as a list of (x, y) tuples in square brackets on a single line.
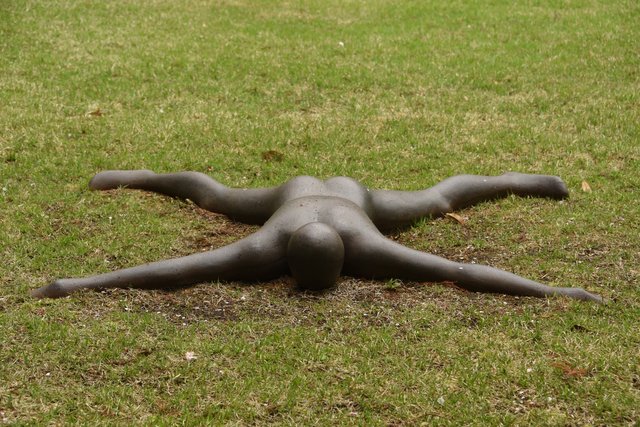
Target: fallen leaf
[(272, 155), (579, 328), (570, 371), (457, 217), (586, 187), (96, 113)]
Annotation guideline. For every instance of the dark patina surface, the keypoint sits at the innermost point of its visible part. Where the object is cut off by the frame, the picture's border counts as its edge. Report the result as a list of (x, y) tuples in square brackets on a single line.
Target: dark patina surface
[(316, 230)]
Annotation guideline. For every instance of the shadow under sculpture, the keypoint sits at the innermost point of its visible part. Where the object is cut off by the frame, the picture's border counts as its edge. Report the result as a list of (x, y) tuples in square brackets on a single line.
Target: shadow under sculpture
[(316, 230)]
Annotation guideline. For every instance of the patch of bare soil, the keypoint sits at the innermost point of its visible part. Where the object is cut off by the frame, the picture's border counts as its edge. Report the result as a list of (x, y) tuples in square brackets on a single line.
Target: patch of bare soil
[(377, 302)]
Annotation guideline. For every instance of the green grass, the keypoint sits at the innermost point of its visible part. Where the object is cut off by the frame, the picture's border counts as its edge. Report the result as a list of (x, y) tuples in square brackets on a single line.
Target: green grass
[(396, 94)]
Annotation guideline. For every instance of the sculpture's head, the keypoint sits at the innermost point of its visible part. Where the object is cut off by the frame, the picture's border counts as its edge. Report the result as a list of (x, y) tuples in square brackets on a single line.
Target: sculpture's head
[(315, 254)]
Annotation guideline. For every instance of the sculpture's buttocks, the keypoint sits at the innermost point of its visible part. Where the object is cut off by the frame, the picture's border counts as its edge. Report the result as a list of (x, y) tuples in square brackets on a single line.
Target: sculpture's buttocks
[(340, 187), (340, 213)]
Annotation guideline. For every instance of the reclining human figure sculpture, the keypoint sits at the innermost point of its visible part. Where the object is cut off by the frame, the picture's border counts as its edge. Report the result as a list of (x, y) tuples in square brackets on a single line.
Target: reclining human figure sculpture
[(317, 230)]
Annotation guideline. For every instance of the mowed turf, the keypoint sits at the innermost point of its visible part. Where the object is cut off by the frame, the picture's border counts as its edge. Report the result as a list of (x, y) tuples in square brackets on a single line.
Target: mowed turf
[(398, 95)]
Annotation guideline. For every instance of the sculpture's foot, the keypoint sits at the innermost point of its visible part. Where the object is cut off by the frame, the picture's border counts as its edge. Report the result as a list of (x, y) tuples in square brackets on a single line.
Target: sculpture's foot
[(109, 180), (581, 294), (53, 290), (540, 185)]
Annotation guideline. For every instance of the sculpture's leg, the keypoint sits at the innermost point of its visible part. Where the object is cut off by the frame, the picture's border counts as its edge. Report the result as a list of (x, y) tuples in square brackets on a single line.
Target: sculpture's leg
[(260, 256), (378, 257), (252, 206), (397, 208)]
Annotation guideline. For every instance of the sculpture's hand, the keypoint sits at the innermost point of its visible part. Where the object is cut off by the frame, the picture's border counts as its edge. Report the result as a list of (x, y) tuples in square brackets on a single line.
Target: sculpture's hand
[(259, 256), (55, 289), (581, 294)]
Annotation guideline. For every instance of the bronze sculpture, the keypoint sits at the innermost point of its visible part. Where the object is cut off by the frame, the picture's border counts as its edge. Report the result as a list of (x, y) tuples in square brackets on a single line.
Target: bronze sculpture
[(317, 230)]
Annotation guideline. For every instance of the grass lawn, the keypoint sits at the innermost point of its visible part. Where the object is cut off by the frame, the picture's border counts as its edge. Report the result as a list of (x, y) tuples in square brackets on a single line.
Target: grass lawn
[(398, 95)]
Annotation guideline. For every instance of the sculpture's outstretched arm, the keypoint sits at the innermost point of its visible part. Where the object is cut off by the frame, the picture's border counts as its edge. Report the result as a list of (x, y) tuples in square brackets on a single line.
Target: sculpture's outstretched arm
[(260, 256), (378, 257), (252, 206), (396, 208)]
